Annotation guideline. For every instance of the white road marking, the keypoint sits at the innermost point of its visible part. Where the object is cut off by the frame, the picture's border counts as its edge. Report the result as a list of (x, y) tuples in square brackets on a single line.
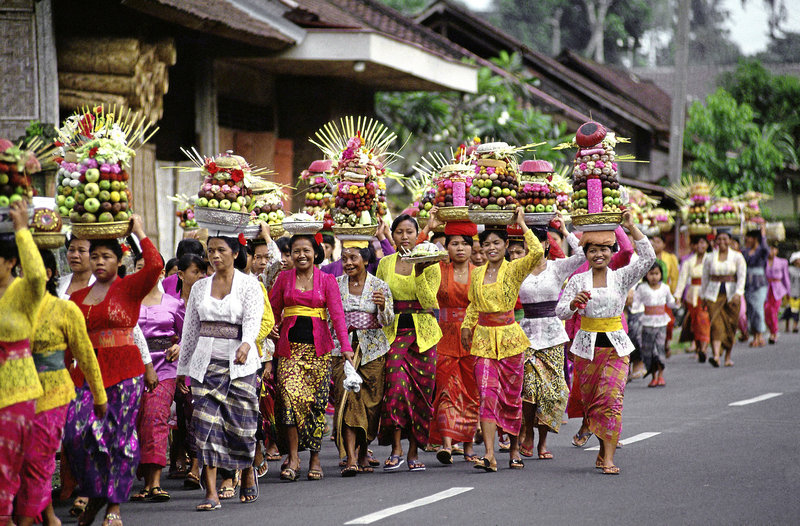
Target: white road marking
[(761, 398), (631, 440), (394, 510)]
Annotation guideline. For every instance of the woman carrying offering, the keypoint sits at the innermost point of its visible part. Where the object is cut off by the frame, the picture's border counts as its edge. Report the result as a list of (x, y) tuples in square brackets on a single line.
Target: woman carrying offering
[(80, 263), (723, 282), (368, 307), (544, 389), (696, 326), (161, 320), (59, 324), (19, 384), (303, 299), (601, 346), (411, 362), (755, 254), (218, 351), (498, 342), (779, 286), (104, 453), (456, 405)]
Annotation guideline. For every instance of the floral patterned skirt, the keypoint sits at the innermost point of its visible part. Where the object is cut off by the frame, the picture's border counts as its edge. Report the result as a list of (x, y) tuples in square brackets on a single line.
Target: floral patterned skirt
[(408, 396), (303, 387), (359, 411), (104, 454), (602, 385), (544, 386)]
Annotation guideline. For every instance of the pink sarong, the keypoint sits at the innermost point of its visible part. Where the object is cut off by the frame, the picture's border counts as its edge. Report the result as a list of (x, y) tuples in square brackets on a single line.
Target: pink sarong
[(153, 425), (15, 425), (39, 462), (602, 387), (500, 387)]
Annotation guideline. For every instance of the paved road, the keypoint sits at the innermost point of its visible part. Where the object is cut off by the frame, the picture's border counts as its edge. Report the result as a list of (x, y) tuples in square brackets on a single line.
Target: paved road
[(710, 463)]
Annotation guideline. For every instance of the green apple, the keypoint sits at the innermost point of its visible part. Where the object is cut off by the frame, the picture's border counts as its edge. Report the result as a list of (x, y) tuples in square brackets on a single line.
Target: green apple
[(91, 190), (3, 178), (236, 207), (14, 198), (202, 202), (92, 175), (506, 191), (122, 216), (474, 190), (115, 186), (80, 198), (484, 192), (105, 217), (60, 200), (104, 195), (114, 196), (91, 205), (241, 200), (272, 216), (281, 215), (530, 209), (513, 193), (88, 218), (213, 203), (3, 201), (225, 204), (70, 201), (496, 191), (74, 216), (63, 211), (540, 208), (105, 185), (428, 205)]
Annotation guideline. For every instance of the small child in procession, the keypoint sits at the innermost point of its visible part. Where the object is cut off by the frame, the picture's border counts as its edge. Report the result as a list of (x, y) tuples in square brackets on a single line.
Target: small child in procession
[(792, 312), (654, 296)]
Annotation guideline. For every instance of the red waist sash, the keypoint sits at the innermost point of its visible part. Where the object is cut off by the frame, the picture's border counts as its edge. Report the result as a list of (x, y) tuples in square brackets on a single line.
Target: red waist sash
[(496, 319)]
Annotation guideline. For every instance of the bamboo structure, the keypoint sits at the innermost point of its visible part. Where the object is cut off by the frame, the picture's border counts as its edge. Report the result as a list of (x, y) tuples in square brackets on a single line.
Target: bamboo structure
[(126, 72)]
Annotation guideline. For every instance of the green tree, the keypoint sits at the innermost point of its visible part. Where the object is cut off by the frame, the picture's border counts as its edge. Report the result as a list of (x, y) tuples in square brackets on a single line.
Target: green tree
[(500, 110), (782, 50), (724, 144)]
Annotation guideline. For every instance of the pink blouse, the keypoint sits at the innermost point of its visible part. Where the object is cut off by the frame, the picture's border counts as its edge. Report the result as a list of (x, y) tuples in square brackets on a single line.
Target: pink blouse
[(324, 294), (163, 321)]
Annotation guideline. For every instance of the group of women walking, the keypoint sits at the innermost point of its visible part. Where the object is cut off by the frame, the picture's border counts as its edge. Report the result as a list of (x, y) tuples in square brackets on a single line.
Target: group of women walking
[(254, 349)]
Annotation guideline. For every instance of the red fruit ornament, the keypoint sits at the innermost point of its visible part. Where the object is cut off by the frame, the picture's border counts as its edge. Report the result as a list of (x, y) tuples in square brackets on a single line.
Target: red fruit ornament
[(589, 134)]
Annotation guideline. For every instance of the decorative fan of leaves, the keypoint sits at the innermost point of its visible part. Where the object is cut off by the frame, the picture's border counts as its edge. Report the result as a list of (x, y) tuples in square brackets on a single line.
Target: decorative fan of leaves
[(333, 137)]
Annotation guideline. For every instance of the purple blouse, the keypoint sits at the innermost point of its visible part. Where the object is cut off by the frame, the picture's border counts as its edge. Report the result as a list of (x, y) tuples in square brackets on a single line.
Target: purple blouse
[(756, 266), (324, 294), (336, 268), (778, 278), (163, 321), (170, 283)]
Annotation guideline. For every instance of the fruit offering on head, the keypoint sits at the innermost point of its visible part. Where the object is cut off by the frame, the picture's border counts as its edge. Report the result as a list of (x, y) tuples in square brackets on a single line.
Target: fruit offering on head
[(319, 195), (226, 183), (268, 198), (536, 194), (95, 149), (594, 172), (495, 179), (16, 165)]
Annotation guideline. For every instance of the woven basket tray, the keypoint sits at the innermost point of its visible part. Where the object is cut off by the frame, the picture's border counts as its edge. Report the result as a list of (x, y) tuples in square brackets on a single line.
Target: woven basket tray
[(112, 230)]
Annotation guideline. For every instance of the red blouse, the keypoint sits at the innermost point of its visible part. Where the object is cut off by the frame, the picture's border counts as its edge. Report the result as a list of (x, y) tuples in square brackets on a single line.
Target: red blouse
[(110, 323)]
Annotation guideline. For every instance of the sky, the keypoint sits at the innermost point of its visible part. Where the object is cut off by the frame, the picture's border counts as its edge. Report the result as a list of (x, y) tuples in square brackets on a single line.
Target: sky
[(748, 25)]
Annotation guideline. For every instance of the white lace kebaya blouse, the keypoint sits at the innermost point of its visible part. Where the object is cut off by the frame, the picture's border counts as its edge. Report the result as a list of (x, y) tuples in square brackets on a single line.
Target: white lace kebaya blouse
[(652, 304), (546, 286), (244, 306), (605, 302)]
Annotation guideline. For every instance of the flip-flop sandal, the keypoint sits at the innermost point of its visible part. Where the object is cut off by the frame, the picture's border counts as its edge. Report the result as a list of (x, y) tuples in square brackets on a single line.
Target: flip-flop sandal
[(158, 495), (315, 474), (374, 462), (526, 452), (142, 496), (262, 469), (208, 505), (366, 469), (393, 463), (598, 463), (470, 457), (611, 470), (580, 439), (416, 465), (191, 481), (349, 471), (177, 474), (444, 456), (516, 463), (714, 362), (273, 457), (505, 446), (545, 455), (457, 450), (249, 495), (78, 506), (111, 518), (289, 475), (343, 463), (486, 465), (223, 493)]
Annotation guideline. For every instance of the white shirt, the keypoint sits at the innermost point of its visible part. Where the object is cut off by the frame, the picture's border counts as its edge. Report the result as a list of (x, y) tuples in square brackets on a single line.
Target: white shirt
[(244, 306), (690, 269), (734, 265), (546, 286), (646, 296), (606, 302)]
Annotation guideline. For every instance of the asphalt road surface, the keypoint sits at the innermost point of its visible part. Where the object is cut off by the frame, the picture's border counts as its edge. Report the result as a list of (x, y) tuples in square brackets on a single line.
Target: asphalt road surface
[(693, 458)]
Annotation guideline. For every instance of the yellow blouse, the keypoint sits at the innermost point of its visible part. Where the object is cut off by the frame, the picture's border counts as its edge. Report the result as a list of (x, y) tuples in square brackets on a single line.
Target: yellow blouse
[(267, 322), (18, 306), (500, 296), (60, 324), (422, 288)]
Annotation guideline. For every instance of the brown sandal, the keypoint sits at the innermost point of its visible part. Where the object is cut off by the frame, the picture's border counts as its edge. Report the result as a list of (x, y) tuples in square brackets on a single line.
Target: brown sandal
[(610, 470)]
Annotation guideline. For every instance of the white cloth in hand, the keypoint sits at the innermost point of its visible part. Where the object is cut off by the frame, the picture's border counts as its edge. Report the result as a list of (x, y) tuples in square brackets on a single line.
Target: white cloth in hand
[(352, 381)]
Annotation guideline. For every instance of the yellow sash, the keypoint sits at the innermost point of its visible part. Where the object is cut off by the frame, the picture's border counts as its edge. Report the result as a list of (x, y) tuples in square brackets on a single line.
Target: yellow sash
[(301, 310), (601, 324)]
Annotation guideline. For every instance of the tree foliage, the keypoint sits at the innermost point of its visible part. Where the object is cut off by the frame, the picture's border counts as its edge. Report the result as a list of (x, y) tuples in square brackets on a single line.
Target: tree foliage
[(726, 145), (500, 110)]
